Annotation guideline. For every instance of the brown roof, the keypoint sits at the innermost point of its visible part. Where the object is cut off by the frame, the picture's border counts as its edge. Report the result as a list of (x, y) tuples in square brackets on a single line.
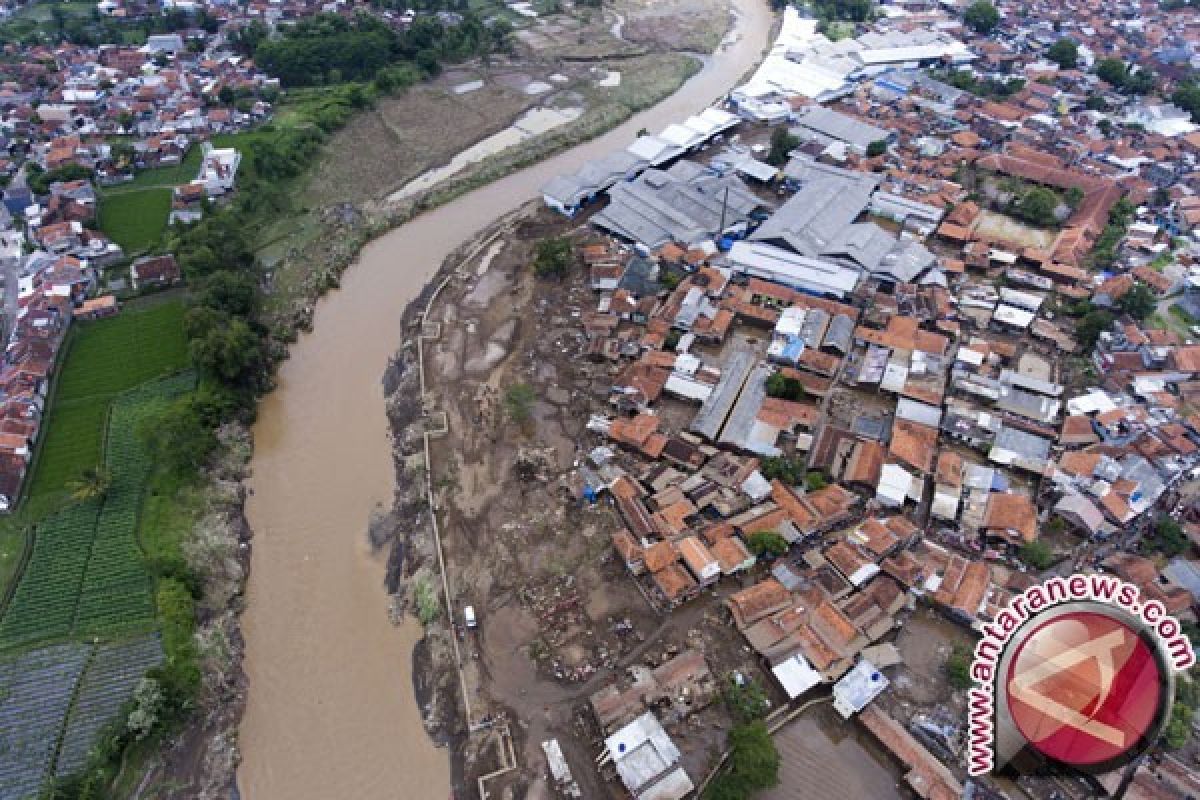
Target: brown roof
[(750, 605), (1011, 515), (914, 444)]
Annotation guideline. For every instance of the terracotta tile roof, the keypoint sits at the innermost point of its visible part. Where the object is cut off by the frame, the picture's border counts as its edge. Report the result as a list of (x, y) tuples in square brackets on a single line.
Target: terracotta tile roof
[(914, 444), (750, 605), (1012, 516)]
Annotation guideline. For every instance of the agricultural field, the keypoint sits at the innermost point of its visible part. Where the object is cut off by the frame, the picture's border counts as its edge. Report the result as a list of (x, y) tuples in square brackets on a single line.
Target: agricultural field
[(55, 702), (35, 694), (111, 676), (104, 358), (135, 219), (86, 574)]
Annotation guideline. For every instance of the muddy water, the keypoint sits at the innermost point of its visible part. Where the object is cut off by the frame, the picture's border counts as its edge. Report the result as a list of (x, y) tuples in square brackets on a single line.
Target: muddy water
[(331, 711), (824, 757)]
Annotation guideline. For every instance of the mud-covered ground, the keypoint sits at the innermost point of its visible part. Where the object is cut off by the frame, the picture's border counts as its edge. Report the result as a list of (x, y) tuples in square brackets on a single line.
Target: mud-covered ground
[(559, 617)]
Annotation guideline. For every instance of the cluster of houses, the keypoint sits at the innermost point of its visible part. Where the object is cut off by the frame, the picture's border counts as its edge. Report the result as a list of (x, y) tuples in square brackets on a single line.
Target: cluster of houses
[(864, 353)]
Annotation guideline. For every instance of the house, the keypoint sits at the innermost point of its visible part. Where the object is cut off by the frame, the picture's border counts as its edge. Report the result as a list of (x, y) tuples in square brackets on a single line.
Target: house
[(151, 271), (1011, 518)]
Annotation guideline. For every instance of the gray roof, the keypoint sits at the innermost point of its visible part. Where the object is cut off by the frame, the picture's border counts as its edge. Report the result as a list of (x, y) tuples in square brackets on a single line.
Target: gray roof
[(683, 204), (1186, 574), (713, 412), (818, 214), (739, 429), (1027, 404), (827, 124), (840, 333)]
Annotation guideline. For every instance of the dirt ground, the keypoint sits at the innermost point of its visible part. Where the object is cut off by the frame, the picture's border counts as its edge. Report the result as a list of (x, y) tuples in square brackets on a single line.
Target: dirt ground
[(559, 617)]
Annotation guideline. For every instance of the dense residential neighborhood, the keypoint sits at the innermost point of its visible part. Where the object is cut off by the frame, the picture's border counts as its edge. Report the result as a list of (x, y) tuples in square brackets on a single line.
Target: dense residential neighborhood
[(914, 317)]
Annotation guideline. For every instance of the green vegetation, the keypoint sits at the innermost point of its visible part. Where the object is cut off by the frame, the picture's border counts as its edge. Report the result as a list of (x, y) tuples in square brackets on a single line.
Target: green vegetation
[(981, 17), (785, 387), (790, 471), (782, 143), (86, 574), (39, 180), (1187, 700), (958, 668), (1168, 538), (1125, 78), (135, 219), (990, 88), (553, 257), (747, 700), (330, 49), (428, 605), (1091, 326), (518, 402), (103, 359), (1037, 554), (1139, 302), (1037, 207), (877, 148), (815, 481), (767, 543), (1187, 97), (1104, 251), (1065, 53), (753, 764)]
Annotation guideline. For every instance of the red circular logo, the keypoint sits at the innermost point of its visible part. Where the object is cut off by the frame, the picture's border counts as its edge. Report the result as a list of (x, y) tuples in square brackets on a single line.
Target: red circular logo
[(1084, 688)]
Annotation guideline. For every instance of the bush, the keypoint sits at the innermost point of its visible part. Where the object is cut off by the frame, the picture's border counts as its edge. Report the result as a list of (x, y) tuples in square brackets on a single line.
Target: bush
[(1037, 554), (981, 17), (428, 605), (785, 387), (768, 543), (1065, 53), (518, 402), (1169, 538), (782, 143), (815, 480), (553, 257), (787, 470), (746, 702), (877, 148), (958, 668)]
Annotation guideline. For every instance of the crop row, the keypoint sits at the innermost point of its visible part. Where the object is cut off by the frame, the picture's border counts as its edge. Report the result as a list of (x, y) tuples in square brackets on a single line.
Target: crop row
[(35, 693)]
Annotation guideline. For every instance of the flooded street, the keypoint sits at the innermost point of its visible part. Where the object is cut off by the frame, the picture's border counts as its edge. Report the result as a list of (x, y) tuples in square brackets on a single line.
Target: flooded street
[(825, 757), (331, 711)]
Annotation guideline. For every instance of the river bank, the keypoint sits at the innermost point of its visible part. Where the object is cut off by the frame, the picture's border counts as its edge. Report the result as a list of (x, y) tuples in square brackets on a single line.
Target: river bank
[(330, 710)]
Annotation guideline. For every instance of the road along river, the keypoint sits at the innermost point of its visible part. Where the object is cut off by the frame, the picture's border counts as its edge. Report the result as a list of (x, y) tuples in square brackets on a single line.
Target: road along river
[(331, 712)]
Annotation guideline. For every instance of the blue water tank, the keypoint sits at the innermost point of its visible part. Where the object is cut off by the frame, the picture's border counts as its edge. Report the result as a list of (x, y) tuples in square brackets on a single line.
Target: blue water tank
[(726, 244)]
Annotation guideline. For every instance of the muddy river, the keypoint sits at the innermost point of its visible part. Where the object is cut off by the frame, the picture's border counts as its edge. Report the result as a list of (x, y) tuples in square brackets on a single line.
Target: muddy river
[(331, 711)]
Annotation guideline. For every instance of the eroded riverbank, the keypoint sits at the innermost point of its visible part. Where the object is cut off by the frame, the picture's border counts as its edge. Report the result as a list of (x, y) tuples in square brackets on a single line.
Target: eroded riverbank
[(331, 711)]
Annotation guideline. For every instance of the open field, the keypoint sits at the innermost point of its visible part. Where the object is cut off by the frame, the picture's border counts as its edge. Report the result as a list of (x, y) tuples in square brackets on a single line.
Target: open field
[(170, 177), (135, 219), (1004, 227)]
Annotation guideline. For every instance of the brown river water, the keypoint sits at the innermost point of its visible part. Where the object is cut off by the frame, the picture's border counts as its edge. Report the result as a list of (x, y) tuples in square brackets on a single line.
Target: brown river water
[(331, 712)]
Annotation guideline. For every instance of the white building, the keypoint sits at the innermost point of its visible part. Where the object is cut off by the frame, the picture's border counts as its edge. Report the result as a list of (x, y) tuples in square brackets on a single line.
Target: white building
[(218, 170)]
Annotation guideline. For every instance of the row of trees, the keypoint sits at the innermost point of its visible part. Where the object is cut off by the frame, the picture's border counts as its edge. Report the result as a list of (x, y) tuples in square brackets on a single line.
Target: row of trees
[(330, 49)]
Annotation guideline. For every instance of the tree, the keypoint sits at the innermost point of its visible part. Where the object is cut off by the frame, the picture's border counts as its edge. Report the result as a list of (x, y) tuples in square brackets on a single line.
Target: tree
[(1112, 71), (230, 353), (231, 292), (958, 668), (181, 438), (518, 402), (747, 701), (767, 543), (1091, 326), (1187, 97), (753, 758), (1139, 302), (1095, 102), (1169, 538), (779, 467), (1065, 53), (782, 143), (1037, 207), (1074, 196), (92, 484), (785, 387), (1179, 728), (981, 17), (553, 257), (877, 148), (1037, 554)]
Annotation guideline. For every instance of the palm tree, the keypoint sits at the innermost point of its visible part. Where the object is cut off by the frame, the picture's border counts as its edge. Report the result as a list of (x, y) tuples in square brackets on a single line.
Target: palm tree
[(92, 484)]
